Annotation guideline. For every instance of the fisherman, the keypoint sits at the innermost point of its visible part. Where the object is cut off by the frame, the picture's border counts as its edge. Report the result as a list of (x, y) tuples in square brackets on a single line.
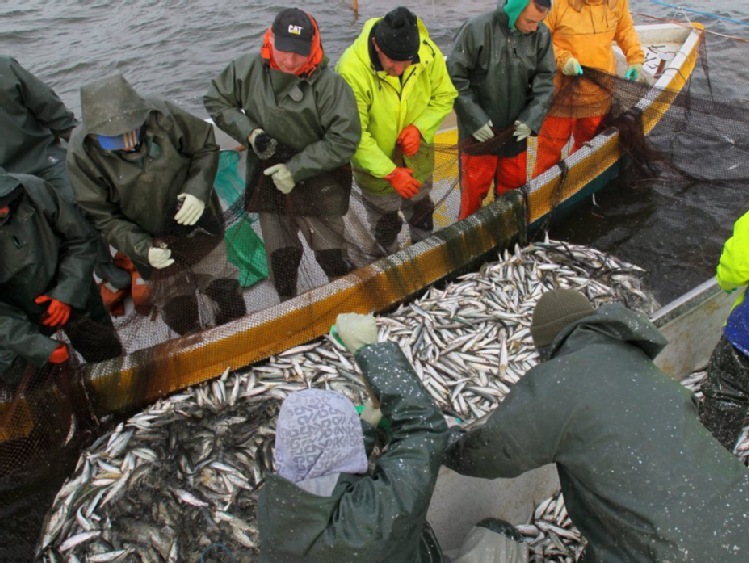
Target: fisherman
[(34, 123), (726, 391), (403, 93), (299, 119), (642, 479), (143, 170), (47, 254), (583, 32), (323, 504), (502, 65)]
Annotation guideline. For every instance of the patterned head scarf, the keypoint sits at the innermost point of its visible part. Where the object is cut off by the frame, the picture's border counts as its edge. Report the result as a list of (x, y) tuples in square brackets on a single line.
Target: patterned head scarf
[(318, 433)]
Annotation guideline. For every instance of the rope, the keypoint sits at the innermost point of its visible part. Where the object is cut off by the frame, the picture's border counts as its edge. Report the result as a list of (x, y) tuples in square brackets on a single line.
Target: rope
[(699, 12)]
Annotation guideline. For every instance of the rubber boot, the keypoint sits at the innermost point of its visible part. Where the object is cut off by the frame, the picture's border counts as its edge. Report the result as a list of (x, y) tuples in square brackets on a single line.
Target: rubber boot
[(181, 314), (333, 263), (228, 297), (284, 264)]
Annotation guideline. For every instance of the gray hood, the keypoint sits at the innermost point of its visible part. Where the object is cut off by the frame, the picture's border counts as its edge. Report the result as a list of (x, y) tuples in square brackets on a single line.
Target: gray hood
[(111, 106)]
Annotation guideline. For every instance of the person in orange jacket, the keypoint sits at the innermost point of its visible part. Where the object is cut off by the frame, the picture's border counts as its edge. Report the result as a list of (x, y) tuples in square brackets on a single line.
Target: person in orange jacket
[(582, 32)]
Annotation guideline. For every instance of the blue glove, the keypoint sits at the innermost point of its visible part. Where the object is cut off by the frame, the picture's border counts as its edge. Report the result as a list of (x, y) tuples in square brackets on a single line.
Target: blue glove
[(633, 72)]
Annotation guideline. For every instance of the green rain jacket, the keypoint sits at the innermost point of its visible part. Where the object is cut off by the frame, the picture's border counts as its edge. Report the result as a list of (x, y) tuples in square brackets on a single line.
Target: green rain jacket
[(131, 202), (642, 479), (422, 96), (46, 248), (32, 121), (314, 115), (376, 517), (501, 74)]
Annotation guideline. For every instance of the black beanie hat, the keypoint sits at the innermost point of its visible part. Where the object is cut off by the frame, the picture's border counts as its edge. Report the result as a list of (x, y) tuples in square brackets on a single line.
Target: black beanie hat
[(554, 311), (397, 34)]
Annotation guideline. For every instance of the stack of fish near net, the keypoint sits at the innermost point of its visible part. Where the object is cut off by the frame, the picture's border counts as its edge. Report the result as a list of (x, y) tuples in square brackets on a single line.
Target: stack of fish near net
[(178, 481)]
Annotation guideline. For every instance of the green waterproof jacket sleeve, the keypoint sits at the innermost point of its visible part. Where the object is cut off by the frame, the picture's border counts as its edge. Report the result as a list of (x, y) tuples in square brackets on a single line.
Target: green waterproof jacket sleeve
[(92, 193), (195, 139), (461, 63), (541, 88), (403, 479), (515, 438), (337, 111), (42, 101), (224, 104), (22, 337)]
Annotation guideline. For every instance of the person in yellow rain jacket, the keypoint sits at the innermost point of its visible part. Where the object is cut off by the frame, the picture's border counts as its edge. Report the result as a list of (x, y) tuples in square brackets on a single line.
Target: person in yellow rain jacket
[(583, 32), (403, 92), (726, 390)]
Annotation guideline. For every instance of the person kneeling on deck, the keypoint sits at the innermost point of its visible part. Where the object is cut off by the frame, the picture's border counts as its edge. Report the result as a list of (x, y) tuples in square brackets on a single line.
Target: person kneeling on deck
[(143, 171), (299, 118), (323, 505), (403, 93), (502, 65), (642, 479), (726, 390), (47, 255)]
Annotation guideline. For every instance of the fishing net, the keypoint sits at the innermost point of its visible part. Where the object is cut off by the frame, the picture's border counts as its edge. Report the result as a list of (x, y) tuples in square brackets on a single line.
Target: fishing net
[(239, 293)]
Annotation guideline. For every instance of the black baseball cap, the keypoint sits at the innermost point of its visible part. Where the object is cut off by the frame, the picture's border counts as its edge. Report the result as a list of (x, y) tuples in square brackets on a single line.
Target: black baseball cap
[(293, 31)]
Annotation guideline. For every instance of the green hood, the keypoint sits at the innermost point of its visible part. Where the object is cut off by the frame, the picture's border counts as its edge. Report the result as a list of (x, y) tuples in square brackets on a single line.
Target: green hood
[(512, 8), (111, 106), (612, 321)]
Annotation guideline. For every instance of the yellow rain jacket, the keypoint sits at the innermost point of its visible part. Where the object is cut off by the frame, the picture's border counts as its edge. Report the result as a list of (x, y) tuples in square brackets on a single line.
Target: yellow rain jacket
[(423, 95), (586, 30), (733, 268)]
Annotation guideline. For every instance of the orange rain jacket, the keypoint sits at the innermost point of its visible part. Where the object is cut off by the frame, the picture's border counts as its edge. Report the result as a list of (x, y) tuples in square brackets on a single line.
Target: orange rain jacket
[(586, 29)]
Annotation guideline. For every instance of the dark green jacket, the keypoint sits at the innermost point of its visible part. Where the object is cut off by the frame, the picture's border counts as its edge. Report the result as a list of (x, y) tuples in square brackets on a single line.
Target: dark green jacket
[(500, 74), (377, 517), (32, 121), (642, 479), (315, 116), (46, 248), (131, 202)]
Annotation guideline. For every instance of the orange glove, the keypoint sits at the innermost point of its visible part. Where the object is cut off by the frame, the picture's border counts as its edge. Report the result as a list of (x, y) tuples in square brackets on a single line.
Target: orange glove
[(59, 355), (58, 312), (403, 182), (410, 140)]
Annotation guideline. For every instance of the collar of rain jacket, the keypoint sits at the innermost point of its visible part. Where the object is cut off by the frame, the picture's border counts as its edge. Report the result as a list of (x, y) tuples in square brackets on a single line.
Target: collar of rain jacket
[(609, 322), (111, 106), (577, 5), (316, 56)]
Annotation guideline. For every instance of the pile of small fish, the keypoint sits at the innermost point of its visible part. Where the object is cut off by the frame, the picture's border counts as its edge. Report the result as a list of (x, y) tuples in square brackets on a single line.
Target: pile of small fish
[(551, 535), (178, 481)]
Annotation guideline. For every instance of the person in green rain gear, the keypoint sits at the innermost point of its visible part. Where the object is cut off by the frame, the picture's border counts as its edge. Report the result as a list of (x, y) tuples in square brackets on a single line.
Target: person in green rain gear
[(642, 479), (299, 119), (322, 504), (502, 65), (142, 170), (34, 123), (47, 253)]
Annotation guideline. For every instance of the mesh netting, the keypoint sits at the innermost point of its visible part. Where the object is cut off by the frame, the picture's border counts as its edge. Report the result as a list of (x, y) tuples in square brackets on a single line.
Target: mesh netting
[(239, 292)]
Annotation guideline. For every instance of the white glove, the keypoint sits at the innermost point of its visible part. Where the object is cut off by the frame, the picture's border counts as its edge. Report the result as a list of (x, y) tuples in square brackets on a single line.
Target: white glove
[(484, 133), (572, 67), (281, 177), (522, 131), (370, 414), (160, 257), (190, 210), (356, 330)]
